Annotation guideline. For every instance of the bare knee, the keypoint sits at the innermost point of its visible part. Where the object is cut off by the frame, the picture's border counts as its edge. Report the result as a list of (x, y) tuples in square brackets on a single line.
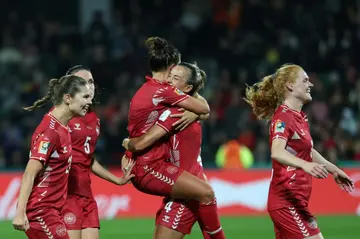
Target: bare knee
[(90, 233), (208, 194), (74, 234), (162, 232)]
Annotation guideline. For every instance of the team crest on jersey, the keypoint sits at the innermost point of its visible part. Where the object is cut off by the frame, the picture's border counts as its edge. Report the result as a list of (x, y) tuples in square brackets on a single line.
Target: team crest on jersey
[(312, 223), (70, 218), (61, 231), (178, 92), (172, 169), (279, 126), (43, 147)]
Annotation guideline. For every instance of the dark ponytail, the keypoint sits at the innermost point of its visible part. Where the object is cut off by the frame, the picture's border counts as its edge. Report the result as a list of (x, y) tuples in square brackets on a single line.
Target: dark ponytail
[(57, 89), (161, 54), (44, 100)]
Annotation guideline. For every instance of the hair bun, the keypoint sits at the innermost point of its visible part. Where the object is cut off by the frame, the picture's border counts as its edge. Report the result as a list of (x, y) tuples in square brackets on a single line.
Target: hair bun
[(156, 43)]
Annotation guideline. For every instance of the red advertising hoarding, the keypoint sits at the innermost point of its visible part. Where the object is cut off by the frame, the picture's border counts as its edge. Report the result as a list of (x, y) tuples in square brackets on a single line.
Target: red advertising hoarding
[(238, 193)]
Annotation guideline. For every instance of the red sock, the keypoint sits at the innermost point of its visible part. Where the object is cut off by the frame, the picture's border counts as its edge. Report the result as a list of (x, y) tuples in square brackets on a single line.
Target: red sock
[(205, 235), (209, 220)]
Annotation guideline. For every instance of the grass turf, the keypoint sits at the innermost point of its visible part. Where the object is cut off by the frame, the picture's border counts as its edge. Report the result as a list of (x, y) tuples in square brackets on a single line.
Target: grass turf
[(332, 227)]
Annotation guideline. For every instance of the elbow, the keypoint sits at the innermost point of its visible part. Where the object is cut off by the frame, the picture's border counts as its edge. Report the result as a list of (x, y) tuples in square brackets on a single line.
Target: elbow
[(205, 110), (135, 146), (275, 154)]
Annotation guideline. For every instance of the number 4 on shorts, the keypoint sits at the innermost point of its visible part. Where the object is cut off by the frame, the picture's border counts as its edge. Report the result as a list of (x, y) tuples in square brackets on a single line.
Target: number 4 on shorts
[(168, 206)]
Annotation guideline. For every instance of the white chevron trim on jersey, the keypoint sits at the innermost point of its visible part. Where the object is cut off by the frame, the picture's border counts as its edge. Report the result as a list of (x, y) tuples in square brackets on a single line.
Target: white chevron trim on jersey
[(159, 176), (45, 227), (299, 222), (178, 217)]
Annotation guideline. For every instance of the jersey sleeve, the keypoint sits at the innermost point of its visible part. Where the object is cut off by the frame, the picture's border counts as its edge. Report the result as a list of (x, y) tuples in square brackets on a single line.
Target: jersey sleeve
[(169, 95), (165, 121), (281, 127), (43, 146), (128, 154)]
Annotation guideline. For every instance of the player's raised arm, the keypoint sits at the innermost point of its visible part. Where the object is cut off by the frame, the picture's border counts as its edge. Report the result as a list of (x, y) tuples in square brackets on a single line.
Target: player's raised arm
[(195, 105), (140, 143)]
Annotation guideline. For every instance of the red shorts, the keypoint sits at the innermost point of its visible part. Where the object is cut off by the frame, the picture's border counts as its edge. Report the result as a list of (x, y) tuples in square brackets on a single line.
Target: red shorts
[(47, 223), (80, 212), (293, 223), (156, 179), (178, 215)]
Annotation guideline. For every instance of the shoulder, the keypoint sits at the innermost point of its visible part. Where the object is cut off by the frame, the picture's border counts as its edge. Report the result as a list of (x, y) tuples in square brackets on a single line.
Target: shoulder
[(282, 114), (92, 115), (45, 134)]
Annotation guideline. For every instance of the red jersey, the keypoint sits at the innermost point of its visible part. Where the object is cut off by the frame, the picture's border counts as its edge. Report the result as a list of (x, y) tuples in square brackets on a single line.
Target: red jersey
[(84, 133), (290, 186), (146, 105), (185, 145), (51, 145)]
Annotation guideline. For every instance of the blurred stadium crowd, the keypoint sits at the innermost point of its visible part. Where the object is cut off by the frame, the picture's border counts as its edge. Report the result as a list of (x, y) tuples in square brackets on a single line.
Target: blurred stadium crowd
[(236, 42)]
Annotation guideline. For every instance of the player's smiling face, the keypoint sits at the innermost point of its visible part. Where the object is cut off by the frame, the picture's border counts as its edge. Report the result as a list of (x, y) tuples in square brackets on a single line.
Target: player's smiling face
[(80, 103), (178, 77), (301, 88), (86, 75)]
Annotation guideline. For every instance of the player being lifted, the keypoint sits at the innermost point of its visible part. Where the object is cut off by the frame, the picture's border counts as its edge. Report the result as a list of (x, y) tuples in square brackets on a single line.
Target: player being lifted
[(44, 184), (80, 211), (280, 98), (176, 218), (154, 174)]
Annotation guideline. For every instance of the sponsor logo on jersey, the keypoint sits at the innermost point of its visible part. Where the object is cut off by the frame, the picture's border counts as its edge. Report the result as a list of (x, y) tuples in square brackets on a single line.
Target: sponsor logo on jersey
[(279, 126), (43, 147), (77, 126)]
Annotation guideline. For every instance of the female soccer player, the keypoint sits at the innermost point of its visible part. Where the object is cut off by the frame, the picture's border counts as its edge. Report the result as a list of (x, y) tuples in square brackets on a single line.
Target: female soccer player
[(176, 217), (80, 211), (152, 174), (45, 180), (280, 97)]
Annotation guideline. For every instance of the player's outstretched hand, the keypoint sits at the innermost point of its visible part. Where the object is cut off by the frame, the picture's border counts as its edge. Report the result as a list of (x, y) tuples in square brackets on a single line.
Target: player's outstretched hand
[(21, 222), (315, 169), (126, 166), (186, 118), (343, 180)]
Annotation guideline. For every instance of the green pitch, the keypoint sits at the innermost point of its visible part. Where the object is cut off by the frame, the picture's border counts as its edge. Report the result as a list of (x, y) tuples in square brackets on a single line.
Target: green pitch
[(332, 227)]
